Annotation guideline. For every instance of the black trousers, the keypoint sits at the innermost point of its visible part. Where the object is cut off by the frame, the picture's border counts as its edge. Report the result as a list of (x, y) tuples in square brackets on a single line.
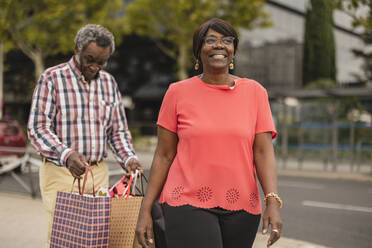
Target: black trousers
[(191, 227)]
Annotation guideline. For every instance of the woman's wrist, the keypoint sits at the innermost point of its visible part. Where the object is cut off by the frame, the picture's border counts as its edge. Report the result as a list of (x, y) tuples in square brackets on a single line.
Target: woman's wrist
[(271, 198), (272, 203), (146, 205)]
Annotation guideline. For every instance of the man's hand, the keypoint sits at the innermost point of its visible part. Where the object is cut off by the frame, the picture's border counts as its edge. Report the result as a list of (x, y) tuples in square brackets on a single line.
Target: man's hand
[(133, 165), (76, 164)]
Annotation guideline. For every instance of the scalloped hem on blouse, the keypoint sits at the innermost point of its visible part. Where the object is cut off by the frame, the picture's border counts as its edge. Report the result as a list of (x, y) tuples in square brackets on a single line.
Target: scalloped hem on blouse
[(209, 207)]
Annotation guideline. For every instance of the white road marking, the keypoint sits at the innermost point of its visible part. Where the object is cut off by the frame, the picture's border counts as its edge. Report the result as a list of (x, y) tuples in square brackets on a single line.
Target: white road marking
[(300, 185), (336, 206)]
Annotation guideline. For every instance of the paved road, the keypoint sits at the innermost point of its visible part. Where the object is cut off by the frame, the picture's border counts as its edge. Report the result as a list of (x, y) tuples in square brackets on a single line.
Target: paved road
[(329, 212), (335, 213)]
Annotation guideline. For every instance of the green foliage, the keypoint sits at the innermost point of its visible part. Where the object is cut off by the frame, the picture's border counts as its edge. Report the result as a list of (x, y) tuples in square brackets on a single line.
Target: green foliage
[(175, 21), (51, 24), (361, 20), (319, 47), (46, 27)]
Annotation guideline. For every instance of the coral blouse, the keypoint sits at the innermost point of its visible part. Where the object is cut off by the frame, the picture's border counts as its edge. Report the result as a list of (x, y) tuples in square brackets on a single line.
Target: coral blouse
[(216, 127)]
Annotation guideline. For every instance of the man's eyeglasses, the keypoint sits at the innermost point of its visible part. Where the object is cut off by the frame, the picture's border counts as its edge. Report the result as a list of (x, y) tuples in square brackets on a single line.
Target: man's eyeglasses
[(228, 40)]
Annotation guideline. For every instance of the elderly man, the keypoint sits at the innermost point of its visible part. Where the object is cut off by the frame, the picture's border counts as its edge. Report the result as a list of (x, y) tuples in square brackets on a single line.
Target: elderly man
[(76, 110)]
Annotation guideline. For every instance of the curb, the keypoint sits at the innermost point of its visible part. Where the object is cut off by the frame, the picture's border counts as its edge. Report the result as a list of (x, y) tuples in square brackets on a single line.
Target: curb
[(363, 177)]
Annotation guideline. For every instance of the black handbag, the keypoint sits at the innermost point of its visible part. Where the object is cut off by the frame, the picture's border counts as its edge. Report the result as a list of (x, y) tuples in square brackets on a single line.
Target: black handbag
[(157, 221), (158, 225)]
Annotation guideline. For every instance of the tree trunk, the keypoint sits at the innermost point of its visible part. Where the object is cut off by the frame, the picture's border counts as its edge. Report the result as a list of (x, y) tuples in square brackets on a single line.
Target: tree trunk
[(38, 60), (36, 55), (181, 62), (1, 78)]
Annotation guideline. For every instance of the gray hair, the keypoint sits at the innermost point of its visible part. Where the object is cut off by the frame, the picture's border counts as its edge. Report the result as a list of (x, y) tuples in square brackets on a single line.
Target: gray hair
[(94, 33)]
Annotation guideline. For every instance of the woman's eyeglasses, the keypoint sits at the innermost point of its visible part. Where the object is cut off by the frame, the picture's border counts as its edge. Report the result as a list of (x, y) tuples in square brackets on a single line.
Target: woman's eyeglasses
[(228, 40)]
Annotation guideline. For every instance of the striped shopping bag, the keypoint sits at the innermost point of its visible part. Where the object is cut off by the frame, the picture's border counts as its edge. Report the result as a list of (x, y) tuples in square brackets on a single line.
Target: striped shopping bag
[(81, 221)]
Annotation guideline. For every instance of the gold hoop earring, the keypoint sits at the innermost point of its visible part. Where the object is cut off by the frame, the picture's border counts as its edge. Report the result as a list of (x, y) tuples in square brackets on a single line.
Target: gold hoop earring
[(196, 67), (231, 65)]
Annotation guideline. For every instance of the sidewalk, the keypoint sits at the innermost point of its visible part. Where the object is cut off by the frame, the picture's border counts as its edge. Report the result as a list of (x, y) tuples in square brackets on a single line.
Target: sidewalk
[(315, 169), (23, 224)]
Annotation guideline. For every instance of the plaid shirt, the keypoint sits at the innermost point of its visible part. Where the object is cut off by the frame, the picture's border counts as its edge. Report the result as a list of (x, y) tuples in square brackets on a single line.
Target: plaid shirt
[(67, 114)]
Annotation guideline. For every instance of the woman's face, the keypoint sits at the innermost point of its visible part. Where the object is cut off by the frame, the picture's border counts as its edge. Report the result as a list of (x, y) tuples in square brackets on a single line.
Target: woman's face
[(217, 51)]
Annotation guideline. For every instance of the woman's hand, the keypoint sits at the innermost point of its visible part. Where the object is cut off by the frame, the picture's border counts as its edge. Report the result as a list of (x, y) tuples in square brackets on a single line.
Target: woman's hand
[(271, 217), (164, 154), (144, 229)]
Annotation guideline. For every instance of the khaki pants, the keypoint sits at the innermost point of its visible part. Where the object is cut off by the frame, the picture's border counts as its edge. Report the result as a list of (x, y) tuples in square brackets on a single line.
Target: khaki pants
[(54, 178)]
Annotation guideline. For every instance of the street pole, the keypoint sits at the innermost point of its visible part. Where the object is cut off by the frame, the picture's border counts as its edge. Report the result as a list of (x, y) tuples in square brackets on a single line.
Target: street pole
[(284, 134), (1, 78), (335, 135)]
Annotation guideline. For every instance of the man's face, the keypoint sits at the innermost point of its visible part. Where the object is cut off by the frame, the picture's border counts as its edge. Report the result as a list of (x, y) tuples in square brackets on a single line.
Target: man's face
[(92, 59)]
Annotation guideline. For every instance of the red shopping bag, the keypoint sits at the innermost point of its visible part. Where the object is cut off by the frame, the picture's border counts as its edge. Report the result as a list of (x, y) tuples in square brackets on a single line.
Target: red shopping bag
[(120, 187)]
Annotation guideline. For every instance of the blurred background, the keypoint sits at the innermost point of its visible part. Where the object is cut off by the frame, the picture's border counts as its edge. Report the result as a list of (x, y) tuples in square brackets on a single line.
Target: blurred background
[(313, 56)]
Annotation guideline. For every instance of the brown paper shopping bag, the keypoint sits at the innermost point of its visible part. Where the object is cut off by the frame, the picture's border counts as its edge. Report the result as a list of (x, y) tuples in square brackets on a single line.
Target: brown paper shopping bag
[(124, 215), (123, 220)]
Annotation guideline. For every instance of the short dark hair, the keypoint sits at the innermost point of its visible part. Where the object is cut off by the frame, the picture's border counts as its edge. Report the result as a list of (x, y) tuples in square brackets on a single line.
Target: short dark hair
[(218, 25)]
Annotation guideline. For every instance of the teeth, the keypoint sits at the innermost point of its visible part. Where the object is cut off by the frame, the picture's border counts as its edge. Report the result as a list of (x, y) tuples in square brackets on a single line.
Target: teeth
[(218, 56)]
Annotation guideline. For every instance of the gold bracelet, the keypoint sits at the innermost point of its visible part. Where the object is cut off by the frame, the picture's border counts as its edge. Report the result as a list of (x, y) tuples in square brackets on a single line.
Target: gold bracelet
[(276, 196)]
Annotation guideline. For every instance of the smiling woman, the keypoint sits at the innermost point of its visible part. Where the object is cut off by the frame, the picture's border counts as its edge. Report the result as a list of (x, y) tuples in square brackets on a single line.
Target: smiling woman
[(217, 52), (214, 134), (218, 40)]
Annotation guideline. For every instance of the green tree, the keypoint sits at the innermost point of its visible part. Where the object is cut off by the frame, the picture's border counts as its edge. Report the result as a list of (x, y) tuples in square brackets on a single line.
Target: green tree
[(40, 28), (361, 19), (175, 22), (319, 45)]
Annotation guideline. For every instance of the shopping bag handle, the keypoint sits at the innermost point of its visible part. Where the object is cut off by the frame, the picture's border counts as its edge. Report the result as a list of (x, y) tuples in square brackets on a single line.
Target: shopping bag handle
[(131, 184), (87, 170), (135, 177), (82, 189), (142, 176), (131, 187), (127, 189), (147, 182)]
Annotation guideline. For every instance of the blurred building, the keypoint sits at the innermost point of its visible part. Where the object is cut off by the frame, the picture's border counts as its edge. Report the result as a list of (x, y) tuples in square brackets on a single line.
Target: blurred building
[(273, 56), (274, 64)]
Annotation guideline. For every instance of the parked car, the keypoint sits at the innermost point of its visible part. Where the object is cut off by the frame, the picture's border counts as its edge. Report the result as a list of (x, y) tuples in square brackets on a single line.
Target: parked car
[(12, 139)]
